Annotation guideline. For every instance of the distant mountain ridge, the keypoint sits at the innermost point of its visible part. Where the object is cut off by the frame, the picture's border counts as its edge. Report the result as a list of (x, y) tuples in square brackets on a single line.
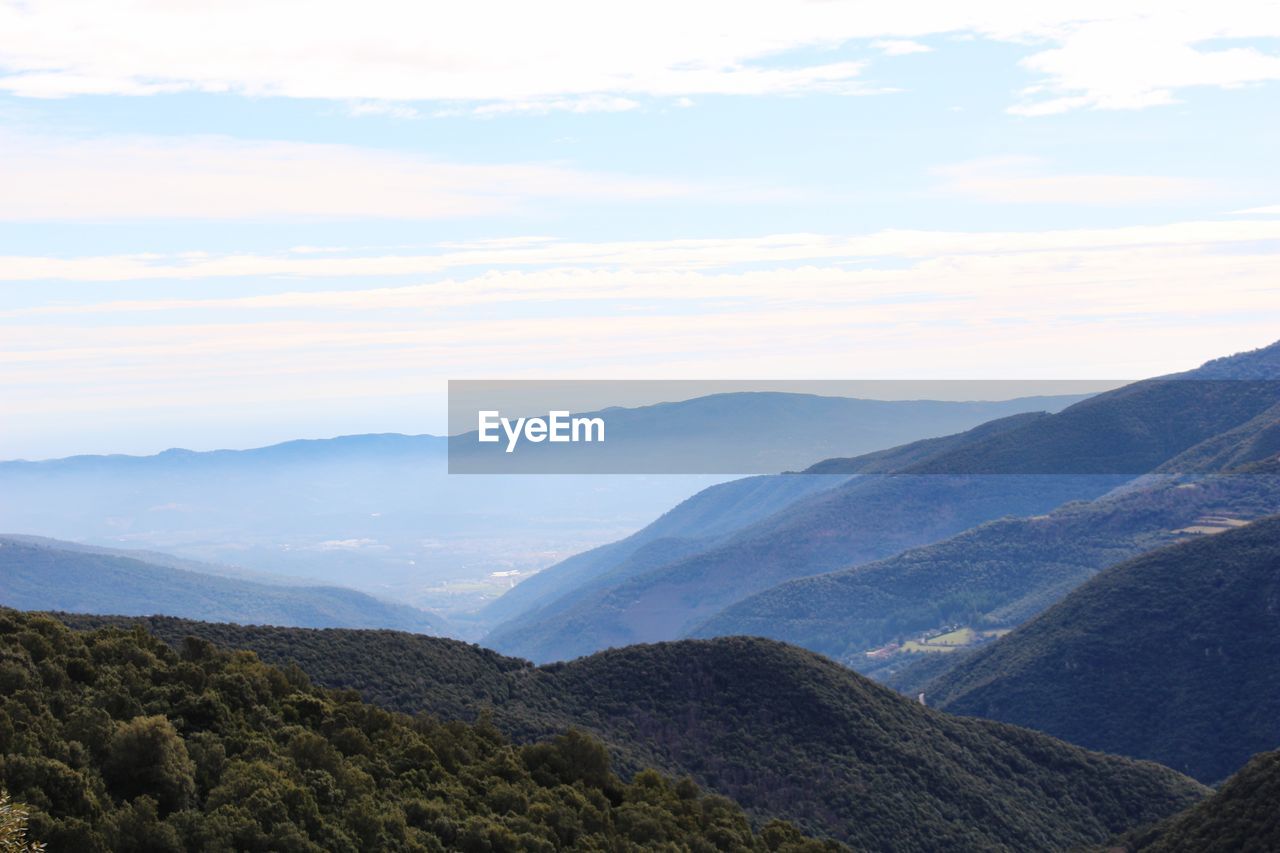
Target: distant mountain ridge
[(381, 513), (897, 500), (38, 575)]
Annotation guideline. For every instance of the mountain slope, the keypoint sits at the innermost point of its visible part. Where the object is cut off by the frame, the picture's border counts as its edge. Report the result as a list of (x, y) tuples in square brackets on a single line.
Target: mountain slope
[(1170, 656), (866, 518), (693, 524), (118, 742), (41, 577), (928, 494), (995, 576), (1241, 817), (792, 734), (703, 521)]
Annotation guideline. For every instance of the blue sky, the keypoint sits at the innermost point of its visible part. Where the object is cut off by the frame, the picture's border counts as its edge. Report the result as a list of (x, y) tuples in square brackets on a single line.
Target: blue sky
[(224, 227)]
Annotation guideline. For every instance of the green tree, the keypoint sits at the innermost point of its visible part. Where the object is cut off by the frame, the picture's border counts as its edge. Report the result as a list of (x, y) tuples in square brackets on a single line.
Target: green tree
[(147, 756)]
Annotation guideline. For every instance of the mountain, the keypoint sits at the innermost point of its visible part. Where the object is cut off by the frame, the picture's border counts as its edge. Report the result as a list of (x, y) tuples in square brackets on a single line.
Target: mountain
[(692, 525), (115, 741), (783, 731), (1170, 656), (382, 513), (379, 512), (1241, 817), (995, 576), (911, 496), (35, 575)]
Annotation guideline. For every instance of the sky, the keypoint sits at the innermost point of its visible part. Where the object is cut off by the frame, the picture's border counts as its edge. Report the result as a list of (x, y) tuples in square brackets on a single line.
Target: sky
[(228, 224)]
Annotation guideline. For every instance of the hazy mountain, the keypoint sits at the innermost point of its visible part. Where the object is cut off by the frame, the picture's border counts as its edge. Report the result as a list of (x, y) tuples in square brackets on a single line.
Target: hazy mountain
[(912, 496), (692, 525), (380, 513), (43, 576), (785, 732), (1241, 817), (1170, 656)]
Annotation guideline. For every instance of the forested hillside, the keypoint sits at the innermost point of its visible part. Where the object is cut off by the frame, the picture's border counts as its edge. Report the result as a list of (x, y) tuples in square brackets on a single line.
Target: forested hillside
[(1241, 817), (784, 732), (995, 576), (1170, 656), (115, 741)]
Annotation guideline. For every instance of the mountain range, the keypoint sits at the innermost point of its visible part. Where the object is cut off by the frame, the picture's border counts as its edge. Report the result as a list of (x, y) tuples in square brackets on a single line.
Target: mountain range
[(808, 571), (381, 513)]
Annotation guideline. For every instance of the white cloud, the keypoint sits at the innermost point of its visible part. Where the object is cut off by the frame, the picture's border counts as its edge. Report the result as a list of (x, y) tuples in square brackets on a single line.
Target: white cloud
[(1122, 54), (900, 47), (1098, 303), (1269, 210), (223, 178), (1025, 180), (786, 250)]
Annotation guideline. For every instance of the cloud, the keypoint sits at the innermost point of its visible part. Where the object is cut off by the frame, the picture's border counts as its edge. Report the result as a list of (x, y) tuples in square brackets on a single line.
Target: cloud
[(214, 177), (900, 47), (1090, 303), (785, 250), (1025, 180), (1124, 54), (1269, 210), (317, 263)]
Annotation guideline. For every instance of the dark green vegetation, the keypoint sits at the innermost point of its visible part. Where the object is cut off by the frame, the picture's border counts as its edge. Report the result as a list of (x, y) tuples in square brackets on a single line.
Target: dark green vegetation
[(116, 741), (913, 496), (782, 731), (1242, 817), (38, 576), (1171, 656)]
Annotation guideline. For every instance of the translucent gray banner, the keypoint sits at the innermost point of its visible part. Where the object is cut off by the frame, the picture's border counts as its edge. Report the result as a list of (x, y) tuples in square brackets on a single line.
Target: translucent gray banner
[(746, 427)]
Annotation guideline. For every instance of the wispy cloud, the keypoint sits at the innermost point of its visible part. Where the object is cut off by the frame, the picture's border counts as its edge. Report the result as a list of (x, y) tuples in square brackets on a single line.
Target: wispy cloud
[(213, 177), (1097, 303), (1268, 210), (788, 250), (900, 47), (1123, 54), (1028, 180)]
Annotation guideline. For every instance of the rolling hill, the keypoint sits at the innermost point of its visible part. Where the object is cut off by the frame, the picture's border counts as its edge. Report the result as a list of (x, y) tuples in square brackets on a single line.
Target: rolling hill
[(114, 741), (1170, 656), (898, 500), (39, 575), (784, 731), (1241, 817)]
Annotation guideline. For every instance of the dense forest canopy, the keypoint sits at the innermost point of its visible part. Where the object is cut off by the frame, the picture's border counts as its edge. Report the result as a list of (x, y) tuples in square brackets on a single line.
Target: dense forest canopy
[(114, 740)]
